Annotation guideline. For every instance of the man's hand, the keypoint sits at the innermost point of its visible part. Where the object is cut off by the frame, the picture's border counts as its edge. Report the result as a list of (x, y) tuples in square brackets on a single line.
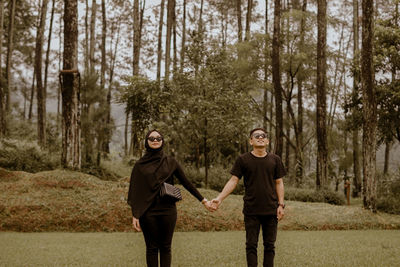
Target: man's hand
[(280, 213), (136, 224)]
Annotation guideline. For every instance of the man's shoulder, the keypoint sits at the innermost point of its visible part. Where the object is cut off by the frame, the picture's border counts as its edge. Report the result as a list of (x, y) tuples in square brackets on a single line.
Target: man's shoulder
[(274, 156), (245, 155)]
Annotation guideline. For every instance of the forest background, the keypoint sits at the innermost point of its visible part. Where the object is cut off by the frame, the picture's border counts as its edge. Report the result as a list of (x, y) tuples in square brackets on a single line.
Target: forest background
[(82, 81)]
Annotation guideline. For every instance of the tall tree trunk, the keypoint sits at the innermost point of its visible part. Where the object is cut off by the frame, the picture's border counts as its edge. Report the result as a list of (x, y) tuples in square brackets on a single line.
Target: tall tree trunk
[(92, 44), (110, 82), (239, 19), (41, 104), (86, 49), (10, 48), (159, 44), (266, 66), (71, 132), (170, 17), (136, 37), (387, 157), (3, 124), (356, 86), (175, 62), (299, 136), (369, 107), (126, 142), (248, 19), (59, 67), (105, 142), (48, 52), (276, 78), (322, 154), (183, 37)]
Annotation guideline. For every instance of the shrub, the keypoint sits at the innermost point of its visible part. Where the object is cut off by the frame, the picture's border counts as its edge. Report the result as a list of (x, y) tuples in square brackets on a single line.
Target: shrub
[(310, 195), (389, 194), (26, 156)]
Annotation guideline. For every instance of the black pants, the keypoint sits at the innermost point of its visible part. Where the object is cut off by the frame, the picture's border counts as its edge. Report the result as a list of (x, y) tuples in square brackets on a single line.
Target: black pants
[(158, 231), (269, 224)]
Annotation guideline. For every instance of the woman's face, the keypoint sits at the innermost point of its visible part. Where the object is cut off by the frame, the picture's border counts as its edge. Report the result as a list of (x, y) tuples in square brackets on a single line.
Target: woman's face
[(154, 140)]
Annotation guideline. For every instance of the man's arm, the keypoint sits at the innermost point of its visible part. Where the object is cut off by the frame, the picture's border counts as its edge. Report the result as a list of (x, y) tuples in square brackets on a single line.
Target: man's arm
[(228, 188), (280, 191)]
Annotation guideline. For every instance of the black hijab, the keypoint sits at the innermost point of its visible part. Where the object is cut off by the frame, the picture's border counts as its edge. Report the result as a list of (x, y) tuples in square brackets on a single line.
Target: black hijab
[(149, 172)]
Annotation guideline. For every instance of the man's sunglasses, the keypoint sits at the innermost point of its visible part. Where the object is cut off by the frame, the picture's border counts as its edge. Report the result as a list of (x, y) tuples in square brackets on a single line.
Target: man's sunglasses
[(258, 136), (152, 138)]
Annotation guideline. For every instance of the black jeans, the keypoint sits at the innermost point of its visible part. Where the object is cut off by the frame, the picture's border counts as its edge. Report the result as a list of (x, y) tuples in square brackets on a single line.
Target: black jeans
[(269, 224), (158, 231)]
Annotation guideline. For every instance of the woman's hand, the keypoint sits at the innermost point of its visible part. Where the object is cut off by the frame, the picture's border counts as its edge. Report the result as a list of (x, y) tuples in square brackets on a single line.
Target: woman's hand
[(136, 224)]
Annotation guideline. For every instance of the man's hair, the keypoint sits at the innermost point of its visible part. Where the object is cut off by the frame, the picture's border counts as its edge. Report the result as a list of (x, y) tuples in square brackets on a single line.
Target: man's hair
[(257, 129)]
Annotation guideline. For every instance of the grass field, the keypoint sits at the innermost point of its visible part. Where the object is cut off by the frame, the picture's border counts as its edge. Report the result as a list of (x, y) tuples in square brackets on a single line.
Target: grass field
[(214, 249)]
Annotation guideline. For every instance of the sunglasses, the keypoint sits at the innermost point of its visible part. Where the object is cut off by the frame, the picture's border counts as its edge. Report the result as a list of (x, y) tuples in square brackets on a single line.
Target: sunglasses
[(258, 136), (152, 138)]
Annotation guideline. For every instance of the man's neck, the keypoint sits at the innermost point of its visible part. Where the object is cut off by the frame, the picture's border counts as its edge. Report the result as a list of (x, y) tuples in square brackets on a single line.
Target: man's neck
[(259, 152)]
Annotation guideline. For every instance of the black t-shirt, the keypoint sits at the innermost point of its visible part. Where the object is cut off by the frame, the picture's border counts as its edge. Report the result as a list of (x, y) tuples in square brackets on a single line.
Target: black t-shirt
[(259, 174)]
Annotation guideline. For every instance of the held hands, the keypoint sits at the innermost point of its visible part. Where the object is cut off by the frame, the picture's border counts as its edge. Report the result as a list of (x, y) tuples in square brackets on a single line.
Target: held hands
[(211, 205), (136, 224)]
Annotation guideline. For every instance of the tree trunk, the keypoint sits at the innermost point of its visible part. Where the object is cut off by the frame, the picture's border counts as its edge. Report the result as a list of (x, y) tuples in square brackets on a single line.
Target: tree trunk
[(369, 107), (170, 17), (126, 133), (105, 142), (92, 44), (322, 154), (356, 86), (387, 157), (175, 62), (86, 49), (183, 37), (299, 136), (276, 78), (10, 48), (48, 52), (41, 104), (159, 45), (239, 19), (3, 124), (266, 67), (136, 37), (71, 132), (248, 19)]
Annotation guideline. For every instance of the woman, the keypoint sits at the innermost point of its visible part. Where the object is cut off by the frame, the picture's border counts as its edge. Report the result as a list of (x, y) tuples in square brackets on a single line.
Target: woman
[(152, 214)]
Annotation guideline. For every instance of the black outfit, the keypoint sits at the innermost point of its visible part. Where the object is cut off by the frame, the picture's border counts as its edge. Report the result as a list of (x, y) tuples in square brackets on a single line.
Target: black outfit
[(157, 215), (260, 202)]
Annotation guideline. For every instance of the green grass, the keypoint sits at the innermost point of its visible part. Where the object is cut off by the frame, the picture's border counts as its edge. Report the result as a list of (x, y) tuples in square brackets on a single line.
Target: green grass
[(293, 248)]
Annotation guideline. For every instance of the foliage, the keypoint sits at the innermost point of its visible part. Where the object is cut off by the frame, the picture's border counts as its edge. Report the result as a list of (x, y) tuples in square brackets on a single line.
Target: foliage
[(389, 194), (310, 195), (26, 156)]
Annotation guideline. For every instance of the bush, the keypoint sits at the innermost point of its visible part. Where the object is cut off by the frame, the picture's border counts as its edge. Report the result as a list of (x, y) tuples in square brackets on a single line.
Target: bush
[(310, 195), (26, 156), (389, 194)]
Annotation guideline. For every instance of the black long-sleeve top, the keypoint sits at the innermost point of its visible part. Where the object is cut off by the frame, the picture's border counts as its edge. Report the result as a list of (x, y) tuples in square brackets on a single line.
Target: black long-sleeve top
[(163, 206)]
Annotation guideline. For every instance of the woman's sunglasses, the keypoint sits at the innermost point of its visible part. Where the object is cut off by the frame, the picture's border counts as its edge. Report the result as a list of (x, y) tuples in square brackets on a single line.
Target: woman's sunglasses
[(152, 138)]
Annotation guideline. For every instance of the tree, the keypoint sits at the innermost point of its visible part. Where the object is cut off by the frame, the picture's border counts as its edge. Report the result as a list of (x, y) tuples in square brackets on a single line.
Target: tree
[(2, 106), (71, 132), (41, 102), (276, 79), (239, 19), (159, 42), (369, 107), (356, 86), (10, 48), (322, 154), (170, 21), (248, 19)]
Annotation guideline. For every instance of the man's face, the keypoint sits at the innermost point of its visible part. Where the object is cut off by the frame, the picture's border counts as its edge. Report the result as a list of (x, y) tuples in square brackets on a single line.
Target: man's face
[(259, 139)]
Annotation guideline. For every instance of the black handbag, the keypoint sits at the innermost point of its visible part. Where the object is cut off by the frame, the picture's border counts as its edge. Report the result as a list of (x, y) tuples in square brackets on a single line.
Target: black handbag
[(168, 190)]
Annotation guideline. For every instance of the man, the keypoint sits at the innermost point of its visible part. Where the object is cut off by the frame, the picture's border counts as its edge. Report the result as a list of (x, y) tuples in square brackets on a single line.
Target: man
[(263, 198)]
